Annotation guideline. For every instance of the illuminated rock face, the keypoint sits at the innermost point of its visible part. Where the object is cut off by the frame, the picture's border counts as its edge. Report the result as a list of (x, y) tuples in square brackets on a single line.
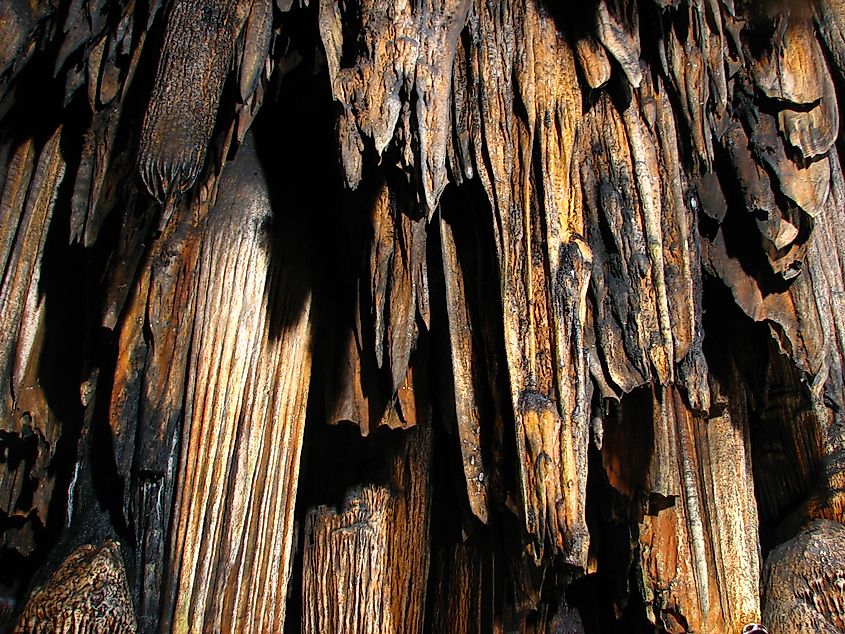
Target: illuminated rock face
[(415, 315)]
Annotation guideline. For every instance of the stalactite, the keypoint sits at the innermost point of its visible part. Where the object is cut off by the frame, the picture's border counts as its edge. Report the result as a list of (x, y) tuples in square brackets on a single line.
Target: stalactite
[(422, 314)]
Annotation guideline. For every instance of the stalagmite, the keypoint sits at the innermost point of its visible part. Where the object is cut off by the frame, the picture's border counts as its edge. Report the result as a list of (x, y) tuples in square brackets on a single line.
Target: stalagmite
[(88, 593)]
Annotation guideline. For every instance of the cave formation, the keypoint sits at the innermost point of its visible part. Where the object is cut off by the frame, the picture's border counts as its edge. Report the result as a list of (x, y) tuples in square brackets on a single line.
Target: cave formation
[(422, 316)]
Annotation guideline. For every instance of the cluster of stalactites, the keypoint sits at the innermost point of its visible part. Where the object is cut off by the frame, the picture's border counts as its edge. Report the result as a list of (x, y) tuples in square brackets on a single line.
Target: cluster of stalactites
[(624, 150)]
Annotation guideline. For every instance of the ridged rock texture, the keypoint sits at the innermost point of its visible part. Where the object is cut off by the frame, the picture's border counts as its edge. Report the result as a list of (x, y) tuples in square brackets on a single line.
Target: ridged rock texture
[(88, 593), (422, 315)]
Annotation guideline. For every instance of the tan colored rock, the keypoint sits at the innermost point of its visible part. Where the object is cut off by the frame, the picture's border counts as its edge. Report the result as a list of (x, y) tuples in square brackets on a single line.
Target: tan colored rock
[(88, 593)]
